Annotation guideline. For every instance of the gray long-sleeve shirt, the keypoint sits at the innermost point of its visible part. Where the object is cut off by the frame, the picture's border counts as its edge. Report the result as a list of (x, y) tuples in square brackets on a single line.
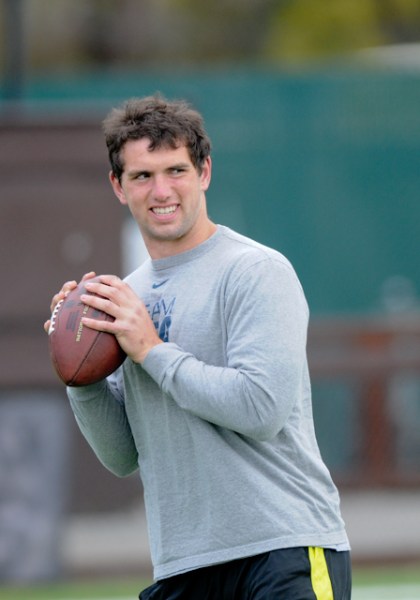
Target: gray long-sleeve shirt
[(219, 418)]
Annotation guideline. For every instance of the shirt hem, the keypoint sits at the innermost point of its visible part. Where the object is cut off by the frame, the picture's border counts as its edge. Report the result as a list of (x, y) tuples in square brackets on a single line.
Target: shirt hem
[(184, 565)]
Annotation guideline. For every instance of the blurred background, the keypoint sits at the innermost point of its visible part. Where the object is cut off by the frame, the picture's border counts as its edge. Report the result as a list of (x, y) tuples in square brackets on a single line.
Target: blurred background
[(313, 111)]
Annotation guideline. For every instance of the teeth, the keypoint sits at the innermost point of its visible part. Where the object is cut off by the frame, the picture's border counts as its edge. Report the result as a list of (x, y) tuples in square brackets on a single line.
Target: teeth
[(165, 210)]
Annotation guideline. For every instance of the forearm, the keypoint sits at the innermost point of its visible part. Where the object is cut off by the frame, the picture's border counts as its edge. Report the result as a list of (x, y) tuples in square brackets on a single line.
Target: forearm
[(254, 371), (253, 402), (103, 422)]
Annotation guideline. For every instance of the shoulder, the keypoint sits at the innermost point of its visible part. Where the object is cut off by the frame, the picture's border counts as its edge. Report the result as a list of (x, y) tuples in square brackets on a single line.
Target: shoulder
[(257, 271), (244, 253)]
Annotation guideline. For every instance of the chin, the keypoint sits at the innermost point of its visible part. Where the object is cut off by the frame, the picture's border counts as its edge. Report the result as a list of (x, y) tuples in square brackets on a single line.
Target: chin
[(170, 232)]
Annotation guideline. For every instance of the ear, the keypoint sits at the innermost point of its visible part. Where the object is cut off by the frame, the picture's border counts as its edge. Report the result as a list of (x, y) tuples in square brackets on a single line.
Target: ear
[(116, 186), (205, 176)]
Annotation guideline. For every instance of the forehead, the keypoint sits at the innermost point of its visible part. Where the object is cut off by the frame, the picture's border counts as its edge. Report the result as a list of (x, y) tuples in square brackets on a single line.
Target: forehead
[(139, 152)]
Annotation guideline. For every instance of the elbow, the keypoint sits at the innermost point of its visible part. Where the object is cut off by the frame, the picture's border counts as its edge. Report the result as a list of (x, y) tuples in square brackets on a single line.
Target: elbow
[(120, 468), (264, 424), (266, 418), (263, 432), (269, 409), (121, 473)]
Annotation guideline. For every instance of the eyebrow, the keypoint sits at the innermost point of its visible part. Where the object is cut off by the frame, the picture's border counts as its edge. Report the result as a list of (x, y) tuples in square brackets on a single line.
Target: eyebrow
[(181, 165)]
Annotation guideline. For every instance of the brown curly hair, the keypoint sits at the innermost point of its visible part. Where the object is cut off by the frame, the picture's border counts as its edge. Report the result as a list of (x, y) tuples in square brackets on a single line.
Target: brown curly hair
[(165, 123)]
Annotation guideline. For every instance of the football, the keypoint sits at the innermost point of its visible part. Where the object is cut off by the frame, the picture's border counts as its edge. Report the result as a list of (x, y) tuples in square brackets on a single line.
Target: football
[(80, 355)]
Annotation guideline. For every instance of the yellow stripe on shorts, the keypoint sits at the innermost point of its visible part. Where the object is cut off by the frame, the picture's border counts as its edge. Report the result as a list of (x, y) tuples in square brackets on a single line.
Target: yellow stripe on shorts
[(320, 577)]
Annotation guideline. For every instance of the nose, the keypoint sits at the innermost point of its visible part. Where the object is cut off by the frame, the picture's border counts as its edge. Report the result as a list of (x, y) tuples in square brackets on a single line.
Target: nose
[(161, 188)]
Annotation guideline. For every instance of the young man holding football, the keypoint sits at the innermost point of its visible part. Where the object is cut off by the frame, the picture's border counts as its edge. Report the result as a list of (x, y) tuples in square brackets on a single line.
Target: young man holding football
[(213, 402)]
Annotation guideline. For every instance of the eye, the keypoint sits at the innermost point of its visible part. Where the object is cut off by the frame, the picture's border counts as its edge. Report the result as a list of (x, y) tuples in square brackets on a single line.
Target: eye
[(177, 170), (142, 176)]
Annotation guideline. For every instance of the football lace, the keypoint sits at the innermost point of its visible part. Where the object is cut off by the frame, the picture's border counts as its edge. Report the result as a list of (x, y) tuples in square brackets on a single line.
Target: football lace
[(54, 317)]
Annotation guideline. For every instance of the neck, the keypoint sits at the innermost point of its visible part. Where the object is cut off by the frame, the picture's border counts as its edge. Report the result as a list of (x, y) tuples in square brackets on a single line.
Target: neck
[(164, 248)]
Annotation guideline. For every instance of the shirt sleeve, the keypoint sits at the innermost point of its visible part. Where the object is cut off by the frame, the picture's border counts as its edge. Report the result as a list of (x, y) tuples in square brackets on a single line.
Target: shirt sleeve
[(266, 319), (101, 417)]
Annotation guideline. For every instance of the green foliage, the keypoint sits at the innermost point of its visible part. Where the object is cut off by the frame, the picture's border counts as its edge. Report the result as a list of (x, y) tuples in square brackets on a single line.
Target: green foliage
[(186, 32), (304, 29), (316, 28), (290, 31)]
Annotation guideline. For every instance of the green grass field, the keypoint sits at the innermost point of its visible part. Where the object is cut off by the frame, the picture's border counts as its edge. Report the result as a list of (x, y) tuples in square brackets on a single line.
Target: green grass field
[(115, 589), (387, 583), (402, 583)]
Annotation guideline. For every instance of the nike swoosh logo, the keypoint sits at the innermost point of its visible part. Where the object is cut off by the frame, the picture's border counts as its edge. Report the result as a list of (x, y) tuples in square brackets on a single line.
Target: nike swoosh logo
[(157, 285)]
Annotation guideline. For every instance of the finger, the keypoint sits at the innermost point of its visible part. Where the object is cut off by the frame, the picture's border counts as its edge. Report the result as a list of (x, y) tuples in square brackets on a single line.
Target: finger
[(89, 275), (56, 299), (111, 280), (68, 286), (47, 325), (100, 303), (65, 290), (98, 325), (107, 290)]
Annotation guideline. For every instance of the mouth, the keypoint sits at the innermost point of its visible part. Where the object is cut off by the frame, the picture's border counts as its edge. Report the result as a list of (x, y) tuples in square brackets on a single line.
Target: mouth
[(164, 211)]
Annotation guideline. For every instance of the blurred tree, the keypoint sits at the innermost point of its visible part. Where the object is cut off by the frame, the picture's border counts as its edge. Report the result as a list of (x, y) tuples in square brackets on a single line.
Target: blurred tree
[(399, 19), (12, 59), (97, 41), (77, 33), (312, 28), (226, 29), (304, 29)]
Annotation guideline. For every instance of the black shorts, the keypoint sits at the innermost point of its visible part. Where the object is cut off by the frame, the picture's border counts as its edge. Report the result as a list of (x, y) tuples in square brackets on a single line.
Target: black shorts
[(289, 574)]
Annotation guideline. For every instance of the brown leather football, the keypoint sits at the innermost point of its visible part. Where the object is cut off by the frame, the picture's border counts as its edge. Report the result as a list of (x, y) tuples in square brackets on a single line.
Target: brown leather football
[(81, 355)]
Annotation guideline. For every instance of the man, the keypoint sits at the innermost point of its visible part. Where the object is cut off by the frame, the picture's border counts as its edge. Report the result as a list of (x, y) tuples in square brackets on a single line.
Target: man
[(213, 403)]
